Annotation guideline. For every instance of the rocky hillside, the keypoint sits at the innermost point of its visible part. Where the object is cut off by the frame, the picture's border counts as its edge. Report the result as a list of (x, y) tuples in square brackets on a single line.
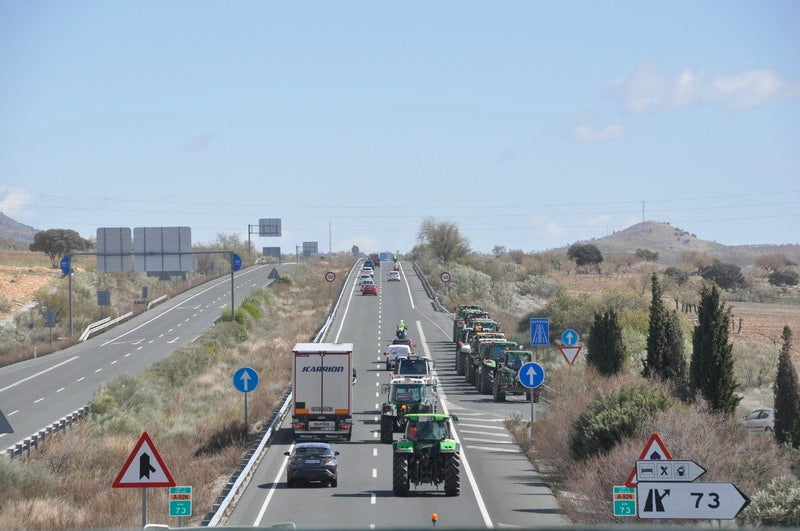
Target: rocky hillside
[(671, 242), (13, 230)]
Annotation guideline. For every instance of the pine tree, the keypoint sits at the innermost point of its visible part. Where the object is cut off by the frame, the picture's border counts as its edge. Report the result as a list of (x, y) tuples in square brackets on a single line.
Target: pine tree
[(787, 396), (711, 368), (607, 352), (654, 363)]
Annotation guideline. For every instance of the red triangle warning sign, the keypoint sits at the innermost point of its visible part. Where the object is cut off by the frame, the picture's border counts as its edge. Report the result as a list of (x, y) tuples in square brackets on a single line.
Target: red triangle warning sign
[(144, 467), (655, 450)]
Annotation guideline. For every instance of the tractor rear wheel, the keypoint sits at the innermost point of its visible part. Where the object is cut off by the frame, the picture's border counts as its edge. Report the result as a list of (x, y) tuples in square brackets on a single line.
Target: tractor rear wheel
[(486, 382), (499, 396), (400, 483), (386, 429), (459, 363), (452, 476)]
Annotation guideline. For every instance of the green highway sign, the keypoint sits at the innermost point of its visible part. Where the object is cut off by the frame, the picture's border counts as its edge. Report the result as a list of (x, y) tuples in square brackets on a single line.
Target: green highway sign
[(624, 501), (180, 501)]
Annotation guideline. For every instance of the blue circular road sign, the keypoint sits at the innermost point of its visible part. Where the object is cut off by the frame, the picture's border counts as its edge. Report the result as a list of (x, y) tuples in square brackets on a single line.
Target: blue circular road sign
[(569, 337), (531, 375), (236, 261), (245, 379)]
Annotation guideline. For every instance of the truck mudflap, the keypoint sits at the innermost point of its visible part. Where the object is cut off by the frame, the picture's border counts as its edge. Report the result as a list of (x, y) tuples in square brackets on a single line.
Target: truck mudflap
[(337, 429)]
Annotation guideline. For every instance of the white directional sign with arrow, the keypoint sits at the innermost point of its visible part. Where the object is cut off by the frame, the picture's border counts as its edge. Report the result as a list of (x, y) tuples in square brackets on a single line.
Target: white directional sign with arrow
[(671, 470), (706, 501)]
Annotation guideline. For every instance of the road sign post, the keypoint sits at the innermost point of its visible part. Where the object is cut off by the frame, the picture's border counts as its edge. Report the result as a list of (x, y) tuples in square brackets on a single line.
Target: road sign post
[(180, 502), (531, 376), (245, 380), (691, 501), (624, 501)]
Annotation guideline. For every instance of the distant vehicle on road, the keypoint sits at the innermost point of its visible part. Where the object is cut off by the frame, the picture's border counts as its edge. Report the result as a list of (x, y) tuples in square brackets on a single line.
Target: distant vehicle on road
[(369, 289), (394, 275)]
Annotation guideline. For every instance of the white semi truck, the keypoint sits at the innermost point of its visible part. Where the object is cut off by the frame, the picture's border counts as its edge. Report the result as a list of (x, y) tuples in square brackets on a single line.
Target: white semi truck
[(322, 391)]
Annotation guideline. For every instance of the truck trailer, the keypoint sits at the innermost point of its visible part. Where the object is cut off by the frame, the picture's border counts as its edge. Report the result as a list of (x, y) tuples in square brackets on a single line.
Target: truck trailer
[(322, 392)]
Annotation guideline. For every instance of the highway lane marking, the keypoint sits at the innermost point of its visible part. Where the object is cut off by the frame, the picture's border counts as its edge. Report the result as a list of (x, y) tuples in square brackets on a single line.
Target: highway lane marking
[(128, 354), (493, 449), (408, 288), (474, 439), (13, 412), (344, 316), (374, 452), (481, 426), (82, 378), (464, 461), (57, 365), (59, 390), (114, 362), (248, 271), (263, 509), (98, 370), (374, 472), (485, 433), (39, 400), (377, 393), (373, 498), (374, 434)]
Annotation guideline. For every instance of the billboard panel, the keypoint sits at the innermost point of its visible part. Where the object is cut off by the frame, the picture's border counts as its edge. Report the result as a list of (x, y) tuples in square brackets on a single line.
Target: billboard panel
[(269, 227), (114, 249), (274, 252), (163, 249), (309, 249)]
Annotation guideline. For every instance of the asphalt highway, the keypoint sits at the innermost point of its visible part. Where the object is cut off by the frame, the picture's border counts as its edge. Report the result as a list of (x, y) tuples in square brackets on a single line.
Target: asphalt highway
[(499, 487)]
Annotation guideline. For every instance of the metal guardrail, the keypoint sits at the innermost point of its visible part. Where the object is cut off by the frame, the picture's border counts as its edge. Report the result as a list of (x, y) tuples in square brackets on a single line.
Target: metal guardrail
[(101, 324), (34, 441), (238, 479), (156, 301), (435, 297)]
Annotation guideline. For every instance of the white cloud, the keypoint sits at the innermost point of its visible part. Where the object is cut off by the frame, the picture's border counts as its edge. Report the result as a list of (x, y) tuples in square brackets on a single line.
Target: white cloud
[(14, 200), (584, 133), (644, 89)]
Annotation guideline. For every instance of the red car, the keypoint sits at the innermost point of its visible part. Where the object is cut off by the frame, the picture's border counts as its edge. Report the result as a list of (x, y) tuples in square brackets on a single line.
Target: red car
[(369, 289)]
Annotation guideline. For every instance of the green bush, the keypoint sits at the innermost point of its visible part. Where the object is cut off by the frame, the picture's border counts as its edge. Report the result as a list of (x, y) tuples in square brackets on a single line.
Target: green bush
[(777, 505), (540, 286), (611, 417)]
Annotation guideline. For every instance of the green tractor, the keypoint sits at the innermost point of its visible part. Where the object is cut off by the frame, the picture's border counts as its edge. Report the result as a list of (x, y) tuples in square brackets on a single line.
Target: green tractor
[(472, 360), (506, 381), (405, 395), (427, 455), (490, 354), (460, 313)]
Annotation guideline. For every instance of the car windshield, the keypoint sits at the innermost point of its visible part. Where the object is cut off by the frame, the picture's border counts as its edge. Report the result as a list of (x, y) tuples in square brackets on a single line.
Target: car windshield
[(312, 451)]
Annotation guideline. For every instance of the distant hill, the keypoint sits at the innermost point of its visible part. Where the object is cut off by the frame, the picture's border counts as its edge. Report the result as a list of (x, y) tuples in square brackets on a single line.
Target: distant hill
[(671, 242), (13, 230)]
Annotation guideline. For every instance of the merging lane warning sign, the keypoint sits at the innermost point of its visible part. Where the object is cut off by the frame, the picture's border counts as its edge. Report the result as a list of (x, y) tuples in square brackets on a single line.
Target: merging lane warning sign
[(654, 450), (144, 467)]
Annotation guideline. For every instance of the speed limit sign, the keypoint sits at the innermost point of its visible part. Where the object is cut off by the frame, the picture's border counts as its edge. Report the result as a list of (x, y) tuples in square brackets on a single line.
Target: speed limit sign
[(445, 276), (330, 276)]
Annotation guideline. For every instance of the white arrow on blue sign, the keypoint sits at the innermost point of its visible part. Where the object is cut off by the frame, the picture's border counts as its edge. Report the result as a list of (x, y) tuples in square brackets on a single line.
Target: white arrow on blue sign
[(531, 375), (569, 337), (245, 379)]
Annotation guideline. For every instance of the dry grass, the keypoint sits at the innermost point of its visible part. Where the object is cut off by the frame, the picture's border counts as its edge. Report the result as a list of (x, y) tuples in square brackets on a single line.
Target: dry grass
[(726, 450), (197, 429)]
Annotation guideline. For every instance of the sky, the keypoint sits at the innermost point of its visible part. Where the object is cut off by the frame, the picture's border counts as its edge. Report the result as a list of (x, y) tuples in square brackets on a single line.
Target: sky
[(529, 124)]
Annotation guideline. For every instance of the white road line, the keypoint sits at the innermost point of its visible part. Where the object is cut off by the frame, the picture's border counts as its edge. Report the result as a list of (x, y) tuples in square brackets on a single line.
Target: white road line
[(488, 440), (39, 400), (485, 433), (410, 298), (493, 449), (82, 378), (128, 354), (462, 424), (344, 315), (114, 362), (57, 365), (98, 370), (13, 412), (59, 390), (373, 498), (272, 490), (470, 477), (374, 472), (374, 452)]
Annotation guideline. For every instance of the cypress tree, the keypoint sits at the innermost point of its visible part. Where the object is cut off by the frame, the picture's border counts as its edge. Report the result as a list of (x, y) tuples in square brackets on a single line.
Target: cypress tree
[(787, 396), (655, 362), (675, 362), (711, 368), (606, 350)]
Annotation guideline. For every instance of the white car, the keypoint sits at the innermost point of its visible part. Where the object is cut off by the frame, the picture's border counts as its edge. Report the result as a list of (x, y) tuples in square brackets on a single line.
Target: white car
[(364, 278), (760, 420), (394, 275), (368, 270)]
